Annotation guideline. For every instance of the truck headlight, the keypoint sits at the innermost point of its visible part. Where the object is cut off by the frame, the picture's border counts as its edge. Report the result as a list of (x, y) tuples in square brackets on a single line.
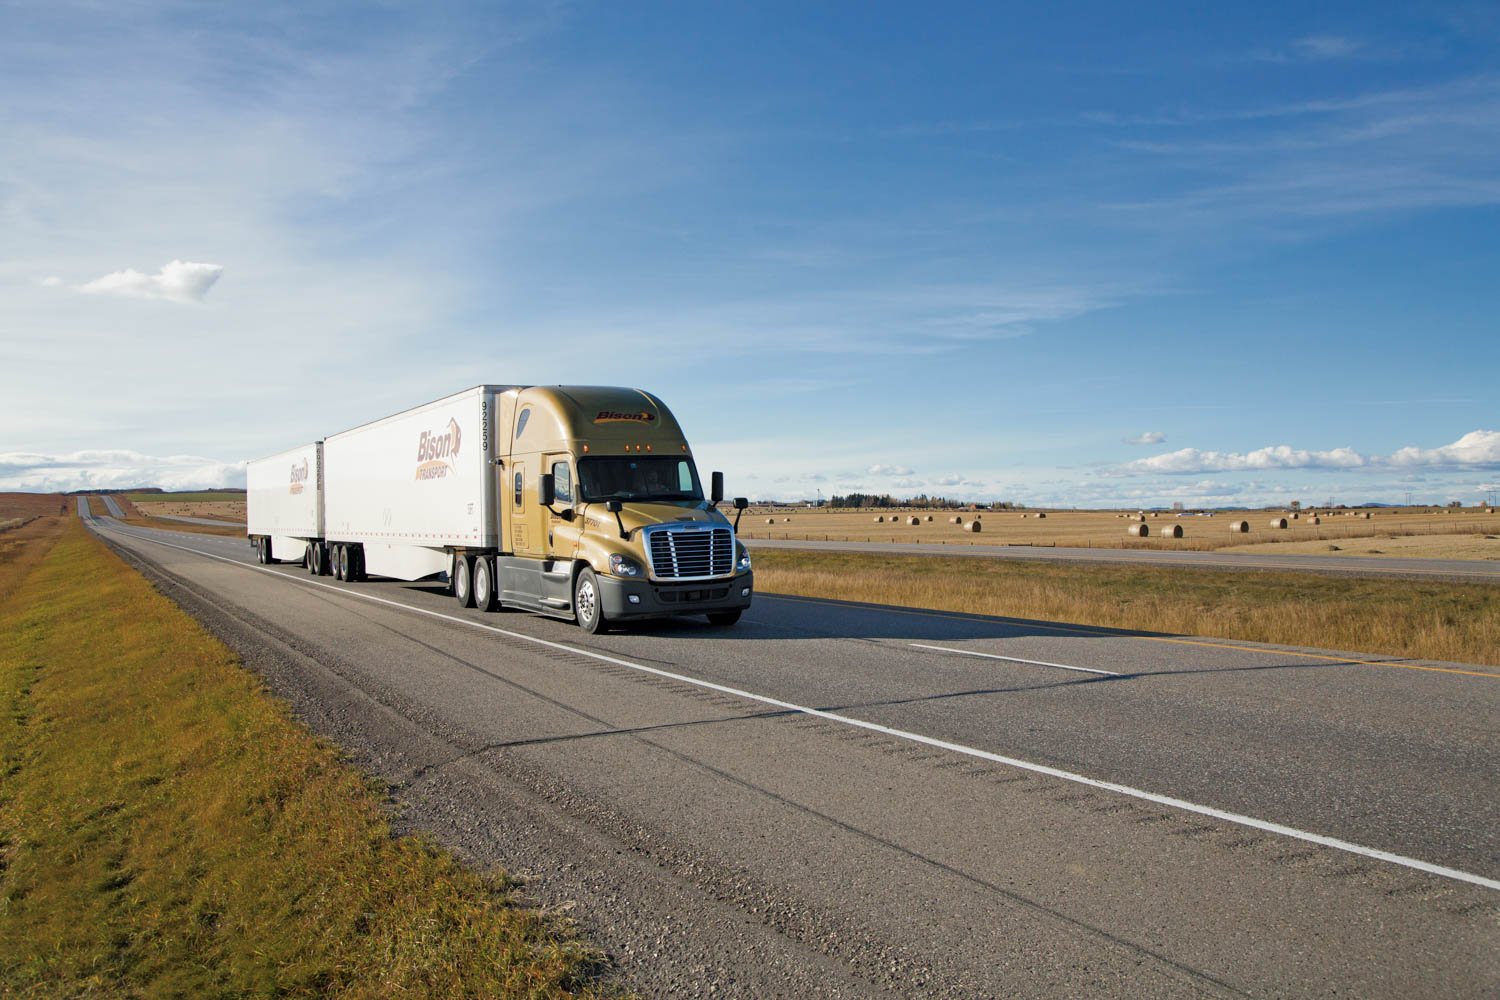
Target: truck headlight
[(742, 562), (624, 566)]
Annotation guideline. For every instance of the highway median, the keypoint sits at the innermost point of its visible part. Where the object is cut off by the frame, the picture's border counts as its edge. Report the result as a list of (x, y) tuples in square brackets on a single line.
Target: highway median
[(1427, 620), (166, 828)]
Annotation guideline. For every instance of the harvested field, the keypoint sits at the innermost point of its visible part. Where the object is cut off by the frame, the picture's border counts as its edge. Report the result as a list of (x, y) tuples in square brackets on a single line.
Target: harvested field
[(1463, 530)]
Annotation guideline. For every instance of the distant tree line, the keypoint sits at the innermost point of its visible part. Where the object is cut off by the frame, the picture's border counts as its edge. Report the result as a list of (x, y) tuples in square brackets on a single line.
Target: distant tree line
[(922, 500)]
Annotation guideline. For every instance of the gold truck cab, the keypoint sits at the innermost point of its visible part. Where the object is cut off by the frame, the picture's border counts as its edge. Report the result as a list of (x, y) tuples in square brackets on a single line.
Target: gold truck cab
[(603, 515)]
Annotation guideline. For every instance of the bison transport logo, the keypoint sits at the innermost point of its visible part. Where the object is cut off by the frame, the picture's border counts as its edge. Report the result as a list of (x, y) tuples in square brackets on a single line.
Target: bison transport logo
[(616, 417), (436, 452), (299, 478)]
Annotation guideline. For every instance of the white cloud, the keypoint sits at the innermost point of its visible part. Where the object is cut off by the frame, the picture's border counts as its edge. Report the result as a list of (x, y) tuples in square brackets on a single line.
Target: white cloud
[(179, 281), (51, 282), (1476, 448), (1191, 460), (114, 469), (1148, 437), (889, 470), (1327, 46), (954, 480)]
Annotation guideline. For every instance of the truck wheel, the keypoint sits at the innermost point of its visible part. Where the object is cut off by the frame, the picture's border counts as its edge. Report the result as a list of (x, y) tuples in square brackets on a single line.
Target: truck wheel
[(463, 581), (724, 618), (318, 565), (484, 584), (587, 606), (260, 551), (309, 560), (340, 562), (356, 563)]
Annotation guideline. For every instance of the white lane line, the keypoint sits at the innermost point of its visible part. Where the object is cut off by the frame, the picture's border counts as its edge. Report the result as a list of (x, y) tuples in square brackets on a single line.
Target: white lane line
[(1265, 826), (1014, 659)]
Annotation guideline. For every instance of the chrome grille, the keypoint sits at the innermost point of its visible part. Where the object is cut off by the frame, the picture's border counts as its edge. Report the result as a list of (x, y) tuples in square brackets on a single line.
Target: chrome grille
[(689, 553)]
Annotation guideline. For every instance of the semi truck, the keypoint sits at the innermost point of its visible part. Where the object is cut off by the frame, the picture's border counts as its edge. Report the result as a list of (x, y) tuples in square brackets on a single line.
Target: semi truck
[(578, 502)]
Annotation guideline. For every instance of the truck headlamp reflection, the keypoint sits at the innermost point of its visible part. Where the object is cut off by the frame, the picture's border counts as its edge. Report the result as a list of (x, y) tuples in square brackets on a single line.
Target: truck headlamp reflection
[(624, 566)]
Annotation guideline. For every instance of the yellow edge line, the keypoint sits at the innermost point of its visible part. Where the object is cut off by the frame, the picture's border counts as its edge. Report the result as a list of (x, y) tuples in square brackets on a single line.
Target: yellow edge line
[(1105, 630)]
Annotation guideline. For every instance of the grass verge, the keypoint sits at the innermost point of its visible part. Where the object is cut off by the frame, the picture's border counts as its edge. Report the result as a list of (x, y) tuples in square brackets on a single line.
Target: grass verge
[(166, 829), (1425, 620)]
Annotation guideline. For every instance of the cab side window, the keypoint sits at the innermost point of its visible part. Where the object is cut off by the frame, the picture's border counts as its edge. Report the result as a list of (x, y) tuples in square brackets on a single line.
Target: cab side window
[(562, 483)]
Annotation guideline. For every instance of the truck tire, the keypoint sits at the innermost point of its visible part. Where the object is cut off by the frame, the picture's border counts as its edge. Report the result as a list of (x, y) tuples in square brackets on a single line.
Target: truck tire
[(340, 563), (319, 564), (309, 560), (463, 581), (484, 584), (260, 551), (723, 618), (356, 563), (588, 608)]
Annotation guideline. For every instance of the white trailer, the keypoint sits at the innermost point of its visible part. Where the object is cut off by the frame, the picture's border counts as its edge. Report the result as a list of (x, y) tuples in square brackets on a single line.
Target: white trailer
[(284, 503), (407, 491)]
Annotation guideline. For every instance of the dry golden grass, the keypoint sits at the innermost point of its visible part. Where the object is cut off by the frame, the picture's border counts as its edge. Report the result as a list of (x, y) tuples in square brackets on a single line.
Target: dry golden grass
[(140, 516), (1107, 529), (167, 830), (1430, 621)]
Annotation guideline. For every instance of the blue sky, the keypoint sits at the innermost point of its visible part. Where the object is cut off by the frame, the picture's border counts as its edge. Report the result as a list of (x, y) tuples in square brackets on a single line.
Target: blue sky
[(1070, 254)]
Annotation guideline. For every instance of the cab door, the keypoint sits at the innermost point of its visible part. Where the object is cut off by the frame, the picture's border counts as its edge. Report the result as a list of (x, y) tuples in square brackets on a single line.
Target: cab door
[(563, 529)]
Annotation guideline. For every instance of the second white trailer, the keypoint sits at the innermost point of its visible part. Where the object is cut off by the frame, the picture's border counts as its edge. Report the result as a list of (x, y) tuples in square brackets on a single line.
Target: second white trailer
[(284, 503)]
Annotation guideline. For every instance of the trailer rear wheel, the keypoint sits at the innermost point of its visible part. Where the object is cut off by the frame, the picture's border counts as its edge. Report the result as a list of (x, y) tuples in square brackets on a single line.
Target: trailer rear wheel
[(356, 571), (463, 581), (587, 608), (484, 584), (260, 550), (340, 562)]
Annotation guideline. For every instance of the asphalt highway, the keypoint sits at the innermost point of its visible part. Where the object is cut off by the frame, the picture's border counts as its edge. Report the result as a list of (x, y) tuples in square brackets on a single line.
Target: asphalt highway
[(833, 799), (1461, 570)]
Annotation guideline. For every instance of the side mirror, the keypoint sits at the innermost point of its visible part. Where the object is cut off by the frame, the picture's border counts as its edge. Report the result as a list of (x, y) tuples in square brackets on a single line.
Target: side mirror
[(546, 490), (740, 503), (716, 494), (613, 506)]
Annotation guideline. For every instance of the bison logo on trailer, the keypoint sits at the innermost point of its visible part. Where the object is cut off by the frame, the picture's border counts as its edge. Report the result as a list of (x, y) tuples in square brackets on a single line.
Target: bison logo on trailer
[(436, 452), (299, 478), (616, 417)]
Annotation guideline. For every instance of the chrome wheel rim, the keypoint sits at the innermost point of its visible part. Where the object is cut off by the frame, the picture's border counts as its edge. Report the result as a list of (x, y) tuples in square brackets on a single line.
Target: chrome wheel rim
[(586, 603)]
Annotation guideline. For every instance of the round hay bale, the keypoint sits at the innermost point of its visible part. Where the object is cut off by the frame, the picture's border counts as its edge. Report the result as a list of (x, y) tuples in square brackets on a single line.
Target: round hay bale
[(914, 521), (1139, 517), (1489, 510), (955, 520), (1368, 515), (770, 520), (1041, 514), (1278, 522), (1155, 514), (786, 520), (1172, 531), (978, 516), (879, 518), (1239, 527), (929, 518), (1140, 529), (974, 526), (1295, 515), (1315, 519)]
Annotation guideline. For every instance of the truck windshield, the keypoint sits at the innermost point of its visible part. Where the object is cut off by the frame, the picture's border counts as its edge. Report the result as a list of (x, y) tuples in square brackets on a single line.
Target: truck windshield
[(638, 478)]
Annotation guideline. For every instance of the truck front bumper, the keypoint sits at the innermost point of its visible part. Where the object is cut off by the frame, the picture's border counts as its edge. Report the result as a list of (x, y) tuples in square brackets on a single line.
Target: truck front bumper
[(626, 599)]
